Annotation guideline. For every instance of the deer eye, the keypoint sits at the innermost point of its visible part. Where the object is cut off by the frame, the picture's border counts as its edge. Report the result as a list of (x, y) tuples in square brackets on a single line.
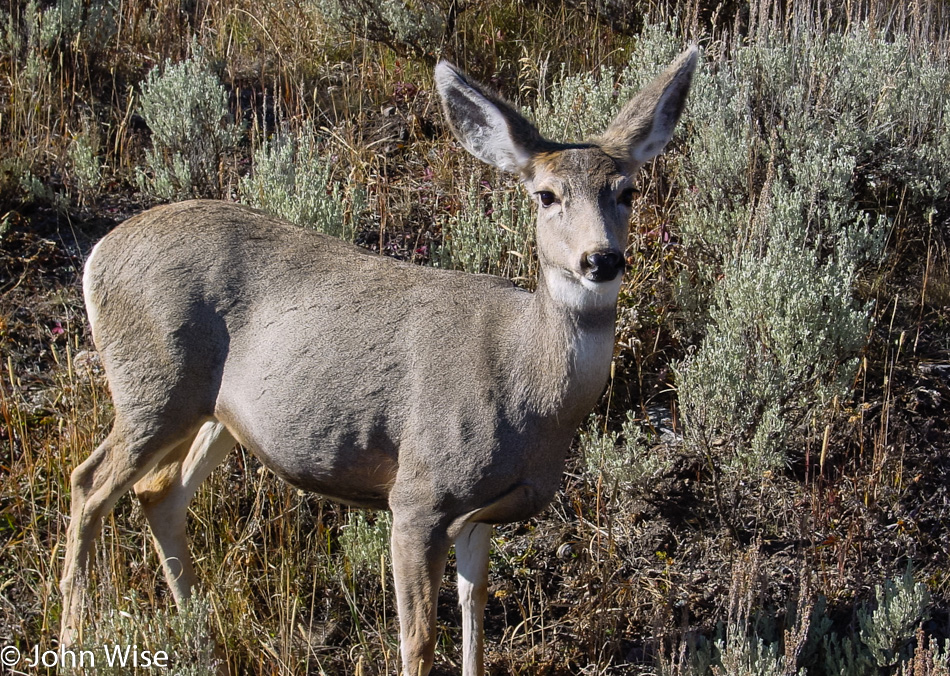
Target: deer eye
[(626, 198), (546, 197)]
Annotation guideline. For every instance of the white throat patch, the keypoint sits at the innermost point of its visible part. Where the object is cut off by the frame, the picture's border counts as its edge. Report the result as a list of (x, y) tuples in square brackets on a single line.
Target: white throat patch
[(582, 294)]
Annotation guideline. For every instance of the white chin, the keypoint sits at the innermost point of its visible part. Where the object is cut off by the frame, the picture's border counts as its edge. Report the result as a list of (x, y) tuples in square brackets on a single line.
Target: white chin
[(582, 292), (611, 288)]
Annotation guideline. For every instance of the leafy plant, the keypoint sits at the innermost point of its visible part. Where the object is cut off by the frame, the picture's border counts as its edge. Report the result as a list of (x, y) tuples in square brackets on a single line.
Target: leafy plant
[(630, 456), (183, 635), (495, 238), (775, 186), (888, 630), (411, 28), (750, 643), (84, 153), (580, 106), (364, 542), (292, 180), (186, 108)]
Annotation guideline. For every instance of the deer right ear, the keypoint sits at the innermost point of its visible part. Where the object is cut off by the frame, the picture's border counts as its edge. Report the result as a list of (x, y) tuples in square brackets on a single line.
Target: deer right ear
[(489, 128), (645, 125)]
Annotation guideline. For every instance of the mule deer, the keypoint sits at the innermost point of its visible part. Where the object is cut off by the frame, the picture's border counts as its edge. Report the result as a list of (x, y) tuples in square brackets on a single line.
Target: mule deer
[(449, 398)]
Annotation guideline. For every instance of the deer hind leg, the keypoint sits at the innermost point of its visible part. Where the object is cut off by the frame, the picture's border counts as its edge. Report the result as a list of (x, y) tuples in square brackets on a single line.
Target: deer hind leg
[(109, 472), (165, 493)]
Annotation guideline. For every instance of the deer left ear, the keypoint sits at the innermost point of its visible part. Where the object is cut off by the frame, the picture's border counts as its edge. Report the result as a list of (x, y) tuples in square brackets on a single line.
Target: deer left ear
[(489, 128), (645, 125)]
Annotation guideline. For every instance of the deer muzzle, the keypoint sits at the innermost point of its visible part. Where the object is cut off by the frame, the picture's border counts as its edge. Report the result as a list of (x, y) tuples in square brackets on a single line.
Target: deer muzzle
[(603, 266)]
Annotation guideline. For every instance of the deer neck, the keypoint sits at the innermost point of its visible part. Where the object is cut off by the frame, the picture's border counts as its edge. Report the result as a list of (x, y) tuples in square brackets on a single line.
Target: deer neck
[(564, 349)]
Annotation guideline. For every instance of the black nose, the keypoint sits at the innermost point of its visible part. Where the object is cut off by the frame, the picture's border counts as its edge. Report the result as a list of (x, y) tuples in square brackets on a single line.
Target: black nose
[(602, 266)]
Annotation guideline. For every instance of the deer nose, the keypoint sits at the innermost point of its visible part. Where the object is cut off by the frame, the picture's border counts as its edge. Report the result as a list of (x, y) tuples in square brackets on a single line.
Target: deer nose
[(602, 266)]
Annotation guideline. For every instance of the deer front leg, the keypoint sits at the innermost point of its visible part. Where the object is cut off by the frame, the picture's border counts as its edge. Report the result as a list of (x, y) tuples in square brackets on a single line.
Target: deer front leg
[(419, 556), (471, 558)]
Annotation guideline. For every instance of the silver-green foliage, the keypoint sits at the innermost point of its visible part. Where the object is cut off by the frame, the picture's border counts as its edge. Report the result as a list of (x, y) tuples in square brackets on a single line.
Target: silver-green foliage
[(781, 341), (35, 42), (580, 106), (293, 180), (48, 31), (186, 108), (364, 542), (743, 655), (89, 25), (630, 456), (784, 133), (829, 109), (84, 160), (412, 27), (739, 650), (493, 236), (183, 634), (930, 659), (884, 643), (886, 632)]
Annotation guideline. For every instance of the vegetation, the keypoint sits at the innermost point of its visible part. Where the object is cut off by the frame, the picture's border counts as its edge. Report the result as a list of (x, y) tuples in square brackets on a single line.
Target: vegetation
[(764, 486), (291, 180), (186, 110)]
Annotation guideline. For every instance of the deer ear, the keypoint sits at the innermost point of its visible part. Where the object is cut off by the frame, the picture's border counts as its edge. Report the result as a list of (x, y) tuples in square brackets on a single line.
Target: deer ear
[(645, 125), (489, 128)]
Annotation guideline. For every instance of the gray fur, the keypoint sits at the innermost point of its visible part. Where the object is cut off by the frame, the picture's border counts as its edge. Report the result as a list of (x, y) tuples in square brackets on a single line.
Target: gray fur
[(449, 398)]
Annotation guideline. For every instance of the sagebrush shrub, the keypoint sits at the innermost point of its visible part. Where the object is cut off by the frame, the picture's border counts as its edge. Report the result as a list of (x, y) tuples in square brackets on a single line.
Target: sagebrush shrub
[(839, 113), (364, 542), (84, 152), (492, 233), (744, 655), (183, 634), (885, 639), (186, 109), (790, 142), (630, 456), (752, 642), (47, 30), (578, 107), (783, 334), (931, 658), (292, 179), (888, 630), (416, 28)]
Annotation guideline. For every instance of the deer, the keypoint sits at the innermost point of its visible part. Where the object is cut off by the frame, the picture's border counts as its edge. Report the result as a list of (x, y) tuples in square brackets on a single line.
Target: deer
[(449, 398)]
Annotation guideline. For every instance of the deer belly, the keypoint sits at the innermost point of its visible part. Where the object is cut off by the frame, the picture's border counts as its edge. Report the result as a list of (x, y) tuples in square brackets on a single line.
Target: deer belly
[(343, 462), (362, 479), (521, 502)]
